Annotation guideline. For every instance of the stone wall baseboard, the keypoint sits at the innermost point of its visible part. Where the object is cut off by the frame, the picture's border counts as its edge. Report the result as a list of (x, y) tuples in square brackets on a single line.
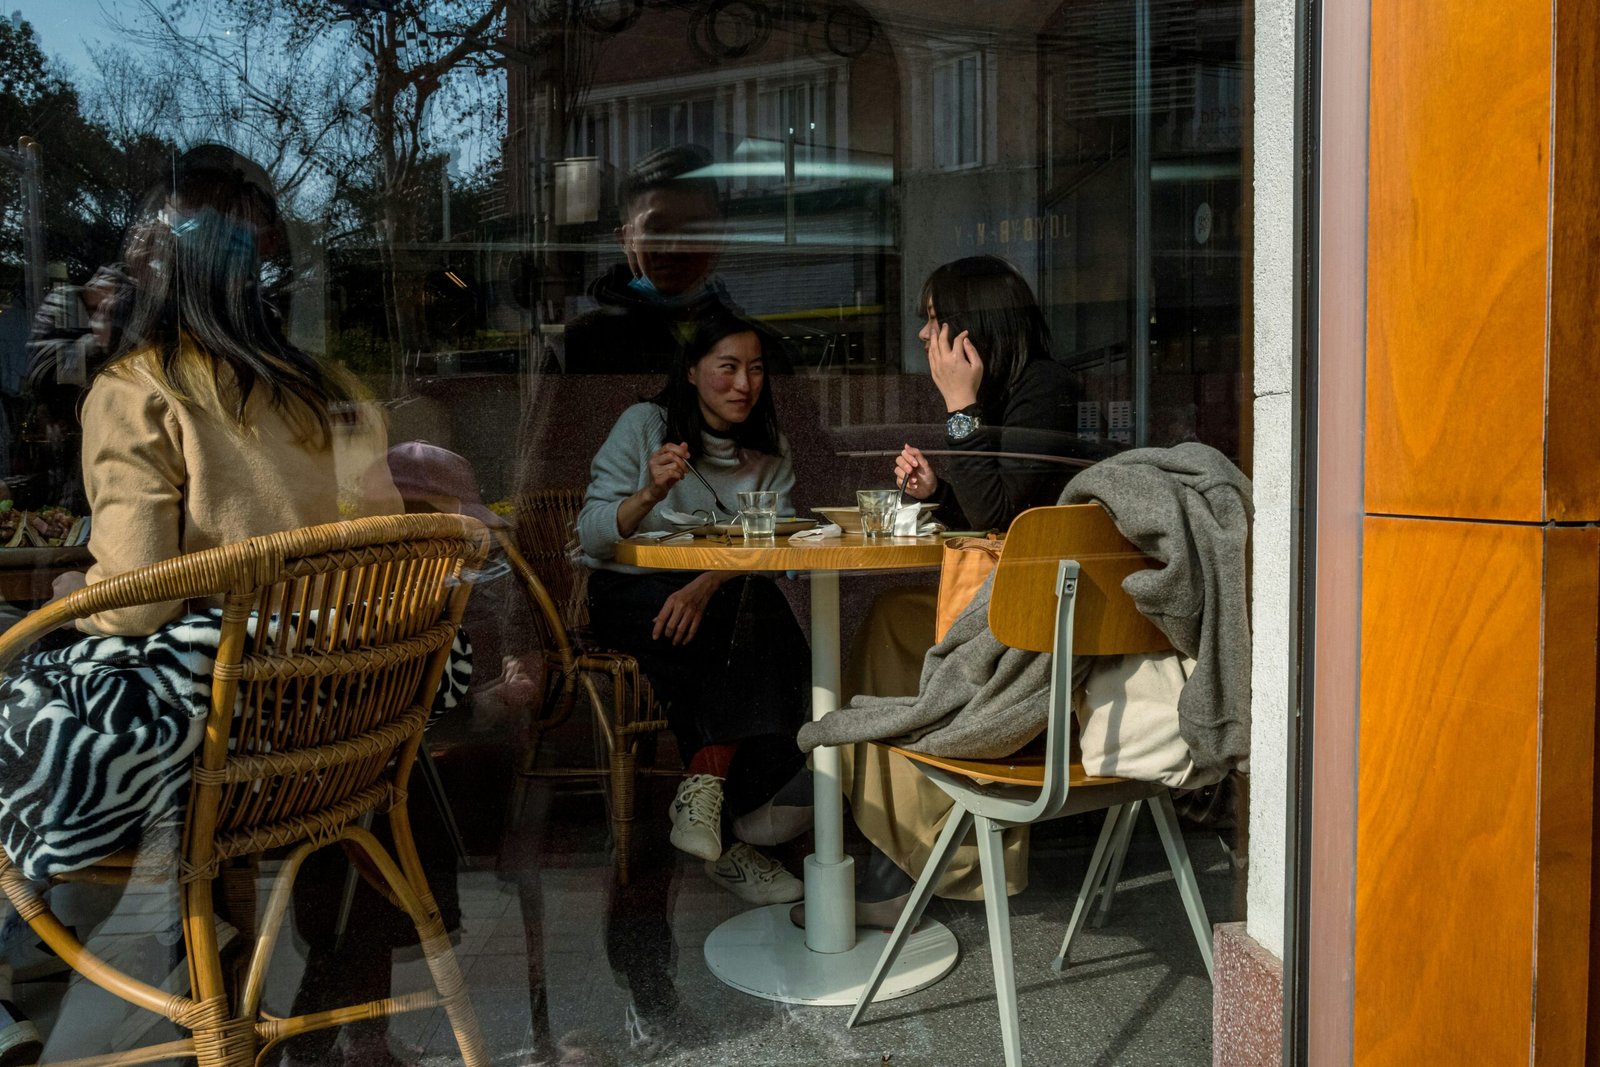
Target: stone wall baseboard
[(1247, 1001)]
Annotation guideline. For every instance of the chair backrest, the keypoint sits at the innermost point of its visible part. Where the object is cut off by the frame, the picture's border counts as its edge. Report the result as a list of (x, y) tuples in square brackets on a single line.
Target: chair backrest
[(332, 644), (1036, 601), (1022, 605), (549, 619), (546, 529)]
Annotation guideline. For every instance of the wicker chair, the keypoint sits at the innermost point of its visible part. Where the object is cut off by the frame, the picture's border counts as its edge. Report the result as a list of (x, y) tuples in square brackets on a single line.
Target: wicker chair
[(309, 728), (540, 552)]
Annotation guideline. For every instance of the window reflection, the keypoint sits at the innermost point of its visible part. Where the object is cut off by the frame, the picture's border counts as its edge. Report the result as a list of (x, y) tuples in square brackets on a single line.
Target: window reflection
[(502, 218)]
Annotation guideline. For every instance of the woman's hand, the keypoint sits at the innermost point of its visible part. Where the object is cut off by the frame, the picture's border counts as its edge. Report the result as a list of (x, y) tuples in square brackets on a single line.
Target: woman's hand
[(667, 467), (914, 474), (679, 618), (956, 367)]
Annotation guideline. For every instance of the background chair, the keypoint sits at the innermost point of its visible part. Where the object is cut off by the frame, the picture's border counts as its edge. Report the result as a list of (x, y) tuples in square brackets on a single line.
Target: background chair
[(1057, 589), (314, 721), (541, 551)]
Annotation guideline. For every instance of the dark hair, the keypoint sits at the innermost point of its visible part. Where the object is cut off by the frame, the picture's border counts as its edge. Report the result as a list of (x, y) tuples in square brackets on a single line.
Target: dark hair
[(988, 298), (203, 257), (669, 168), (681, 401)]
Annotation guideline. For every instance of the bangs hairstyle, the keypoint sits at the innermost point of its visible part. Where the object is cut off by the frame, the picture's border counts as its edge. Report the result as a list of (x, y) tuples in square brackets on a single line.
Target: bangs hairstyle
[(681, 401), (207, 255), (988, 298)]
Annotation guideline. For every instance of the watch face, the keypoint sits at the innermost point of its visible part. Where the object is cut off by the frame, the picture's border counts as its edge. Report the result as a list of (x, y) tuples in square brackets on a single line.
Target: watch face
[(960, 426)]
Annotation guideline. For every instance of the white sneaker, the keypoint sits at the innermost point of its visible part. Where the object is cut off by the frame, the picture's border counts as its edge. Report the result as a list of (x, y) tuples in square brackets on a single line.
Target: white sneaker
[(697, 816), (754, 877), (19, 1040)]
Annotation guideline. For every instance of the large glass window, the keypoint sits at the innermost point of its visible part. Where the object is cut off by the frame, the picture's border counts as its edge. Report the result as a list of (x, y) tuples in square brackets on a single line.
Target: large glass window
[(491, 229)]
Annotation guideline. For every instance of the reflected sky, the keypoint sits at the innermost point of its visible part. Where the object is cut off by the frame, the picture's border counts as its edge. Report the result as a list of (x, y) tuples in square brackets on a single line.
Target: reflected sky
[(67, 28)]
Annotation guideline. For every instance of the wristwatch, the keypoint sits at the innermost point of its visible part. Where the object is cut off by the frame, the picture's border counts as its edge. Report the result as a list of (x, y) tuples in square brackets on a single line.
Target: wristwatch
[(960, 425)]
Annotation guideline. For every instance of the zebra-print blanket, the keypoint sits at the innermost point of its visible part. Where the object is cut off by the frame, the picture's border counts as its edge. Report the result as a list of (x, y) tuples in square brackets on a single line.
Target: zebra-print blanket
[(96, 740)]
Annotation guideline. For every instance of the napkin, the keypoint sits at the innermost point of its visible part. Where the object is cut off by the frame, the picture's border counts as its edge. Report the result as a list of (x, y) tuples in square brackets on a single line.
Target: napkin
[(818, 533), (907, 524)]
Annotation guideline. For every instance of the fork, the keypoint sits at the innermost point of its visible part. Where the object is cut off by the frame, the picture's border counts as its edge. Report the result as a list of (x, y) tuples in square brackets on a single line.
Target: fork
[(717, 499)]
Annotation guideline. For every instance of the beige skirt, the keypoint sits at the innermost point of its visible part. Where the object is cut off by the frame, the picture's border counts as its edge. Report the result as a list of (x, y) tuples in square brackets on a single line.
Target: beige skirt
[(895, 805)]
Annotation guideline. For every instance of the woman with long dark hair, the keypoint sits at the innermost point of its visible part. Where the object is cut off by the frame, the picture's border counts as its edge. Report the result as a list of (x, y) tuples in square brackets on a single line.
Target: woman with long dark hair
[(722, 650), (1011, 409), (208, 425), (988, 349)]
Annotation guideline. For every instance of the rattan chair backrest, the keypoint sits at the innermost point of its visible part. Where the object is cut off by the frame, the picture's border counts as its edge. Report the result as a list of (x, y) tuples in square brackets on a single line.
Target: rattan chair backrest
[(546, 531), (333, 642)]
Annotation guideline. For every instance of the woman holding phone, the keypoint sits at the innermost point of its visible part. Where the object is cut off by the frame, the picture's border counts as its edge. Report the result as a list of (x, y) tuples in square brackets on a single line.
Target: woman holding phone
[(1006, 398)]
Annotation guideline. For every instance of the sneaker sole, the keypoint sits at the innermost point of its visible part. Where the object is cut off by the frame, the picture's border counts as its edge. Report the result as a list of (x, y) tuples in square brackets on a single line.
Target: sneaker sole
[(19, 1044), (703, 848)]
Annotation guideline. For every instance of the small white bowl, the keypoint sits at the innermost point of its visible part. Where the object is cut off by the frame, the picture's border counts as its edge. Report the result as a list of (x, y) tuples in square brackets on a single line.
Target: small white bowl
[(849, 519)]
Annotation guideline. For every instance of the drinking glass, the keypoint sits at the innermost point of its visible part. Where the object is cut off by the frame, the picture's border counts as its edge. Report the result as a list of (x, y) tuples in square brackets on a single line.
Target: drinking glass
[(758, 514), (877, 511)]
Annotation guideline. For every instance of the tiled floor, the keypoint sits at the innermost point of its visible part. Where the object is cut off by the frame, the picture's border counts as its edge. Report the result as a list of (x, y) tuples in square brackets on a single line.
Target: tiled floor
[(1137, 992)]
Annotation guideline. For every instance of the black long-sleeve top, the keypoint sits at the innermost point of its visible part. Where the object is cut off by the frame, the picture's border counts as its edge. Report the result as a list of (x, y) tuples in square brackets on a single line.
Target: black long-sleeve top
[(984, 492)]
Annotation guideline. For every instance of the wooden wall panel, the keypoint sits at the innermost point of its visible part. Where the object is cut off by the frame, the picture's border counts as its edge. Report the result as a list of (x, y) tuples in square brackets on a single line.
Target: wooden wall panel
[(1457, 225), (1573, 455), (1447, 790), (1571, 622)]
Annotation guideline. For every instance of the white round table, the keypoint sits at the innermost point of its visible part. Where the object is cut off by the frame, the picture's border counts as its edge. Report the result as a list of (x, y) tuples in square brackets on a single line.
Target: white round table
[(760, 951)]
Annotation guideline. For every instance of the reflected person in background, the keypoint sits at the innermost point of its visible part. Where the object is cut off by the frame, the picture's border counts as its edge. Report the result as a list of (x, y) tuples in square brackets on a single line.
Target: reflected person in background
[(671, 234), (206, 426)]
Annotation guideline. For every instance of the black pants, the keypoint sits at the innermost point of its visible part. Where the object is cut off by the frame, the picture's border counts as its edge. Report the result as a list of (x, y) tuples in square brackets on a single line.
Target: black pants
[(744, 677)]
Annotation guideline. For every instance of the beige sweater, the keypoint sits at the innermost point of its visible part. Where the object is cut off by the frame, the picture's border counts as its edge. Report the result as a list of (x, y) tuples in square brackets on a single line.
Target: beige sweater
[(165, 476)]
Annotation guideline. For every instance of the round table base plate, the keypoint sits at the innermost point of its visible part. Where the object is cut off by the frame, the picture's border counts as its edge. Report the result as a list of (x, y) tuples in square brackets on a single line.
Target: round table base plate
[(762, 953)]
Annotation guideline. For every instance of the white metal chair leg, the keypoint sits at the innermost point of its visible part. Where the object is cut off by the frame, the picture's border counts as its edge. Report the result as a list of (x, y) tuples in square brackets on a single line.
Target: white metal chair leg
[(956, 825), (1091, 881), (1119, 854), (991, 849), (1183, 872)]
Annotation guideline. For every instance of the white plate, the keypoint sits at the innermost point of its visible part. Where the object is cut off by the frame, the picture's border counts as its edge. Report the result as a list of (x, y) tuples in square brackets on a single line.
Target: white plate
[(782, 528)]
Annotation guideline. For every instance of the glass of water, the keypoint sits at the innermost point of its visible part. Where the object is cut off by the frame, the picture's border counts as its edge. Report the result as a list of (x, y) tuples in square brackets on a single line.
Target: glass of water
[(758, 514), (877, 511)]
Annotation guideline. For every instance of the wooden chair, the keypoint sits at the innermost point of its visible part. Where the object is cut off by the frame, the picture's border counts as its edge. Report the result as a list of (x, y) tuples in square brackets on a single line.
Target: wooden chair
[(1058, 589), (539, 548), (310, 727)]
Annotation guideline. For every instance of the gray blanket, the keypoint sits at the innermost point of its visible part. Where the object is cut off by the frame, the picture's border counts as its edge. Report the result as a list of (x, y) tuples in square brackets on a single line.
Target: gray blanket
[(1187, 507)]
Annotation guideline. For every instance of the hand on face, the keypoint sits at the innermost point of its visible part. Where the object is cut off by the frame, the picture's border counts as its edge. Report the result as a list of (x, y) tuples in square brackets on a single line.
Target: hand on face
[(668, 466), (914, 474), (956, 367)]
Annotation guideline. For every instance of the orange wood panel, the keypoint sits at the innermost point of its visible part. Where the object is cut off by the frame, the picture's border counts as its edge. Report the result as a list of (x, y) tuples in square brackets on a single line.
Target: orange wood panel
[(1446, 792), (1566, 793), (1457, 223), (1573, 456)]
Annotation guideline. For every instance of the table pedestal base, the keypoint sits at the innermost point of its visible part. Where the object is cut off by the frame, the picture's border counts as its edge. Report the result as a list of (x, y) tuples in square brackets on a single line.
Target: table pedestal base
[(762, 953)]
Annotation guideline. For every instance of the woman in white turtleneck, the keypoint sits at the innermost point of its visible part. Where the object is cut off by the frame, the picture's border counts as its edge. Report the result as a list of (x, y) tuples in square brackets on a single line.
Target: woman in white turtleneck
[(722, 650)]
